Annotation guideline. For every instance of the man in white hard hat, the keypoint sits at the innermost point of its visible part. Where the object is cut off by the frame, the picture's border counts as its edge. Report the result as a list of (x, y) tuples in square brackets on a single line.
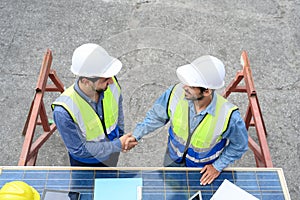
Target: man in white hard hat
[(89, 114), (206, 130)]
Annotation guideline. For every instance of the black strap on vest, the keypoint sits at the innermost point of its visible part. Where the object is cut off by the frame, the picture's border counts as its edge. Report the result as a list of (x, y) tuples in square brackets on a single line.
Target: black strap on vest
[(102, 120), (167, 108), (189, 137), (188, 140)]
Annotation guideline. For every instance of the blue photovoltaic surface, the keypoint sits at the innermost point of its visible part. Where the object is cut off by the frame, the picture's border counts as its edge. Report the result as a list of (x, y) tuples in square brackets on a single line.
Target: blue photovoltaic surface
[(161, 184)]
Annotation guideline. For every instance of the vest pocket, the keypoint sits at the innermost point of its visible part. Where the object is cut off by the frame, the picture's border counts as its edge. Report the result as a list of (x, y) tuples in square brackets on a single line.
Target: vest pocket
[(112, 118), (93, 130)]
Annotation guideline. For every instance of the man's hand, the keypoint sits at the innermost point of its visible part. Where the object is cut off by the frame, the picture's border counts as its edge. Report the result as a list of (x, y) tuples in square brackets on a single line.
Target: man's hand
[(209, 173), (128, 142)]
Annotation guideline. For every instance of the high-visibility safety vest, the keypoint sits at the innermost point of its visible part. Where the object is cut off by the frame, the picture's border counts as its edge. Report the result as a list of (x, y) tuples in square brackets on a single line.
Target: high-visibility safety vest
[(85, 116), (205, 144)]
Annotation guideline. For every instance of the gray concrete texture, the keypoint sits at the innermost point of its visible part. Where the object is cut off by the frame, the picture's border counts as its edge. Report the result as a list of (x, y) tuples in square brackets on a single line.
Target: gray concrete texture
[(152, 38)]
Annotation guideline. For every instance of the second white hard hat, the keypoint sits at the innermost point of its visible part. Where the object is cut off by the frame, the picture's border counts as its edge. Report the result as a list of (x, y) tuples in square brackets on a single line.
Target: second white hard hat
[(91, 60), (206, 71)]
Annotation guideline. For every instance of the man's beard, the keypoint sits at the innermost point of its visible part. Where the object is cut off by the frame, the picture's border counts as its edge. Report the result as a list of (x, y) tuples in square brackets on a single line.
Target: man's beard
[(200, 98), (100, 91), (193, 98)]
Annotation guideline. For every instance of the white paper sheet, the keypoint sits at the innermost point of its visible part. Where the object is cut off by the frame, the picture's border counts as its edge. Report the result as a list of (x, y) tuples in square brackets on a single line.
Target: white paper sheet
[(229, 191)]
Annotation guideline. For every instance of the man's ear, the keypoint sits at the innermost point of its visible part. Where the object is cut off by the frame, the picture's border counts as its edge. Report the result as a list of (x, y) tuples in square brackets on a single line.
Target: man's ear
[(84, 80), (207, 92)]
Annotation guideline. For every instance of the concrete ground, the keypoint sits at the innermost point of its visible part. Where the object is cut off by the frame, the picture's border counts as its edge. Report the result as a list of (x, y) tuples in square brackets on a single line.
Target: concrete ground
[(152, 38)]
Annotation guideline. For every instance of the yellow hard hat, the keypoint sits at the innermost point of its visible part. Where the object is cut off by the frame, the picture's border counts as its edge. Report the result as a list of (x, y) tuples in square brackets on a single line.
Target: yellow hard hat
[(18, 190)]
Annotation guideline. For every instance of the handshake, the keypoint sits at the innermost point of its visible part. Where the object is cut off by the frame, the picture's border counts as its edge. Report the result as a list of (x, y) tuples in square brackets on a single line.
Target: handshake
[(128, 142)]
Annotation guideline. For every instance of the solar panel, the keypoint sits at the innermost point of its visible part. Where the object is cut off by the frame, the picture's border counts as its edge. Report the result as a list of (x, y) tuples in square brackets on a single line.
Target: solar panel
[(158, 183)]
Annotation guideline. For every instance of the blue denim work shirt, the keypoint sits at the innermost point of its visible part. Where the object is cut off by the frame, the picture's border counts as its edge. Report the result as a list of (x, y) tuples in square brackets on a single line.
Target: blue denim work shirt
[(236, 133), (74, 139)]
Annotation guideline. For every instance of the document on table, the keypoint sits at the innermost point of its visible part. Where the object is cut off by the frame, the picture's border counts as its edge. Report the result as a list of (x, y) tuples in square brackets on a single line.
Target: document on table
[(229, 191), (118, 188)]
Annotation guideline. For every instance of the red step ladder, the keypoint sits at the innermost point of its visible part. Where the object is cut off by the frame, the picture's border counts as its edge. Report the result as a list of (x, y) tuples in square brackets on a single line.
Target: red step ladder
[(37, 114), (253, 116)]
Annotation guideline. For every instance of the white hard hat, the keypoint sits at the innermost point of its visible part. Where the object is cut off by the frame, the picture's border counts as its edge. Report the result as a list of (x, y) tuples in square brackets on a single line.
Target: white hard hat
[(206, 71), (91, 60)]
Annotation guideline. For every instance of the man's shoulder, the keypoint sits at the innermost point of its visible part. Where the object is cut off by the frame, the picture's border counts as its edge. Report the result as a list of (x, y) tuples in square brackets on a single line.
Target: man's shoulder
[(59, 109)]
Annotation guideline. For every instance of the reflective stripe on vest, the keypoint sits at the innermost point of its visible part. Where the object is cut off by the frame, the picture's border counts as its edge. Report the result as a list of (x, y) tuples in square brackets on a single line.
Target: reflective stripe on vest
[(202, 160), (206, 143), (84, 115)]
